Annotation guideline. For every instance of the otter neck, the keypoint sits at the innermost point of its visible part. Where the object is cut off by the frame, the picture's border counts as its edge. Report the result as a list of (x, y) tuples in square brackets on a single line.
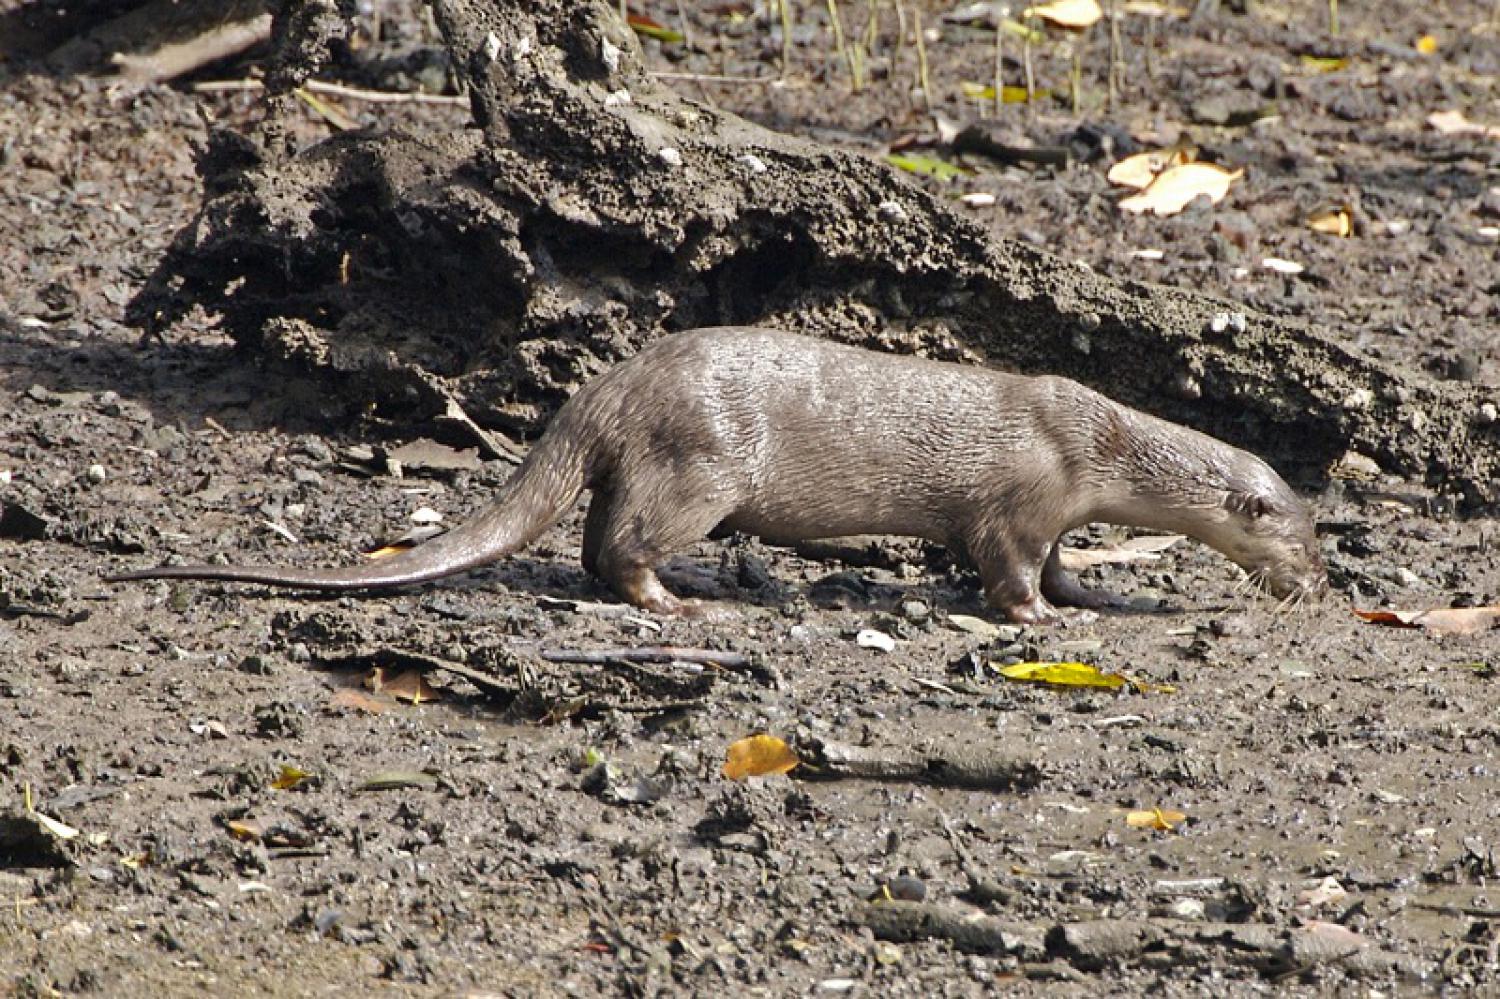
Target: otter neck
[(1152, 474)]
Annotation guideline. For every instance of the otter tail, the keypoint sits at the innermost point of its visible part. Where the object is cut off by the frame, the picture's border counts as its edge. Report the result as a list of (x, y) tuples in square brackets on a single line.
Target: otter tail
[(540, 492)]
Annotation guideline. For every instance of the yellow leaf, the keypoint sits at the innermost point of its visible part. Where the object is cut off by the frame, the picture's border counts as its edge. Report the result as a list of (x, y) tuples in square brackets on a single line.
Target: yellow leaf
[(289, 777), (759, 755), (1140, 170), (1026, 33), (652, 29), (1012, 95), (1333, 220), (1163, 819), (1325, 64), (1427, 45), (929, 166), (1073, 14), (243, 830), (1079, 675), (1173, 188), (1064, 675)]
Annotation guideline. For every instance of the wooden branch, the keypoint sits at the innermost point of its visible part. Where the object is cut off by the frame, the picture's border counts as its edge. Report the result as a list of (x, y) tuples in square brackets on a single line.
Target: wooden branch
[(175, 59)]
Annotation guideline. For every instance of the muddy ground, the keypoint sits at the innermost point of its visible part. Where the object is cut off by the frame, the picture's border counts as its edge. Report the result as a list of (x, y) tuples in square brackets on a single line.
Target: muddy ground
[(1339, 780)]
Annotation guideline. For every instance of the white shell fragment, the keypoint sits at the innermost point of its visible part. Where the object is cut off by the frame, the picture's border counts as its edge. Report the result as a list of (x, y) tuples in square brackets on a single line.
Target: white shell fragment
[(618, 98), (492, 46), (978, 199), (755, 163), (670, 156), (426, 515), (1281, 266), (610, 53), (892, 211), (872, 639)]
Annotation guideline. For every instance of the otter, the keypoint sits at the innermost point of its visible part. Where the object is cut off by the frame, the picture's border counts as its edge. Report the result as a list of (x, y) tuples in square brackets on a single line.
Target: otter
[(793, 438)]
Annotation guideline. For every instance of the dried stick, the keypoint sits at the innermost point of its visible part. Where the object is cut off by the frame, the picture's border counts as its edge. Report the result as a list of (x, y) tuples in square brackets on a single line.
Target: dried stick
[(177, 58)]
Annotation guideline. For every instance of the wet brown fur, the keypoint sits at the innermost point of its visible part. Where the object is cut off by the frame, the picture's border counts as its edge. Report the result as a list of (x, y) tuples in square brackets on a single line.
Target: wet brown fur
[(793, 438)]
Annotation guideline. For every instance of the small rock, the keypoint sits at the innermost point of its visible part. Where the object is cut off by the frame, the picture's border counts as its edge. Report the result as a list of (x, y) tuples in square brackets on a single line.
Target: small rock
[(96, 474), (256, 666)]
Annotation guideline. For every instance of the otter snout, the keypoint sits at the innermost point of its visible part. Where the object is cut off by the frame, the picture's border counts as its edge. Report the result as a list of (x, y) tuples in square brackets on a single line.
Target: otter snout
[(1298, 573)]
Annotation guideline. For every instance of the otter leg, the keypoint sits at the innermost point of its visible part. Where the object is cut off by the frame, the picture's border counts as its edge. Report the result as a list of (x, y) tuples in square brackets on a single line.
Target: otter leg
[(633, 534), (594, 526), (1061, 588), (1011, 570)]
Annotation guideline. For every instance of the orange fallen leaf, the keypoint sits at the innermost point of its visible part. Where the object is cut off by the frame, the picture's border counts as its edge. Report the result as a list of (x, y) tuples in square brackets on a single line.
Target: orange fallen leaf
[(757, 756), (358, 700), (1439, 621), (1163, 819)]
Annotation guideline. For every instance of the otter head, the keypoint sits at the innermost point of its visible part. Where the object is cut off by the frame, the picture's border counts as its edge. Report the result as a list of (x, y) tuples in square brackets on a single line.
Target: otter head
[(1267, 530)]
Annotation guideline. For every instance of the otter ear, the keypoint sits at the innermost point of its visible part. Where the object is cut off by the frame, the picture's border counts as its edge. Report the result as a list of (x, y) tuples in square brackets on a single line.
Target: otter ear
[(1247, 504)]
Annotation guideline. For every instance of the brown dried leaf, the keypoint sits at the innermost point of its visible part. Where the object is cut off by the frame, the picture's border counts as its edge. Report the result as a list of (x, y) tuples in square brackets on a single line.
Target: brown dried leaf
[(1439, 621), (1453, 122), (1140, 170), (358, 700), (1146, 548), (1075, 15), (1174, 187), (410, 686)]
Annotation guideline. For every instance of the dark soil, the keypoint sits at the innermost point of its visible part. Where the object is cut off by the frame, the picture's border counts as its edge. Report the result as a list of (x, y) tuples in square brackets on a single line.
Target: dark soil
[(1340, 779)]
